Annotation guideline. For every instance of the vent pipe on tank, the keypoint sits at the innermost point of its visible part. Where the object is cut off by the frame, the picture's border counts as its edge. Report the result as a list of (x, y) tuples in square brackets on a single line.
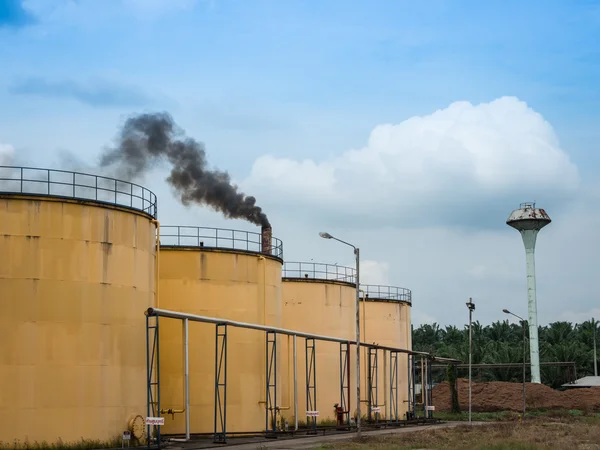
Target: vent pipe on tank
[(267, 234)]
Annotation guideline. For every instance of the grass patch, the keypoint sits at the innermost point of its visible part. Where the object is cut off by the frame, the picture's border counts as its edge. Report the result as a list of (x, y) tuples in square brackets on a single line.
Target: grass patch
[(60, 445), (542, 432), (507, 416)]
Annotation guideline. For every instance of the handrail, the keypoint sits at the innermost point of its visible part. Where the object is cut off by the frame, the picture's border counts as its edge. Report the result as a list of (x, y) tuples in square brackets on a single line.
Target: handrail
[(318, 271), (208, 237), (387, 293), (76, 185)]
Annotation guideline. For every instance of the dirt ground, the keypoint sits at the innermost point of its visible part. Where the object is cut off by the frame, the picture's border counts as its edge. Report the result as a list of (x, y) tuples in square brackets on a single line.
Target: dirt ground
[(540, 433), (501, 396)]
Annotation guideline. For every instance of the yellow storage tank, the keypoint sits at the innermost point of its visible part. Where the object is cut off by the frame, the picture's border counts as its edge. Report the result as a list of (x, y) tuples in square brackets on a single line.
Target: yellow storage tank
[(231, 275), (385, 320), (77, 272), (318, 299)]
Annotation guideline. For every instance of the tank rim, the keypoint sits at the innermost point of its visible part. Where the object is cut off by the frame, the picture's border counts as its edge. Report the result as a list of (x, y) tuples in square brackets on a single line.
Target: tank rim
[(75, 201), (310, 270), (240, 241), (193, 248), (124, 194), (386, 294), (318, 281)]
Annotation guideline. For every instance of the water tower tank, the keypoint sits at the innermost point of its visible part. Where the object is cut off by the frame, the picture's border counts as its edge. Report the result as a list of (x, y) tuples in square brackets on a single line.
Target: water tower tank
[(529, 220)]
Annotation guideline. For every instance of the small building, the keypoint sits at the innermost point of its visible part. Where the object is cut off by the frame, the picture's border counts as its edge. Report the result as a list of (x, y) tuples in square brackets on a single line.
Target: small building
[(585, 382)]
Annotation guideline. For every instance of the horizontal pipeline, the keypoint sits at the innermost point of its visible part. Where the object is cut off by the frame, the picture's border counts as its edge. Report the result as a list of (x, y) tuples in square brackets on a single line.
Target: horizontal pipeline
[(252, 326)]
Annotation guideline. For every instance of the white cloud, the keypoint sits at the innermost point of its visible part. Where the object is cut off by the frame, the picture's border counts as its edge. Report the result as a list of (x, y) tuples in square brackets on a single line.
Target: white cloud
[(579, 317), (418, 317), (7, 153), (374, 272), (449, 162)]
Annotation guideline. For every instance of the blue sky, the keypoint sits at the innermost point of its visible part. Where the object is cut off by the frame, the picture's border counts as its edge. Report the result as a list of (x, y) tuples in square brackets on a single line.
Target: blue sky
[(310, 80)]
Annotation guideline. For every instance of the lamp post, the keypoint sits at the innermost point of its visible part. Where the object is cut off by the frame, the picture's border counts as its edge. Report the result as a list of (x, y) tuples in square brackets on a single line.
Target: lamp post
[(471, 307), (506, 311), (357, 255), (594, 324)]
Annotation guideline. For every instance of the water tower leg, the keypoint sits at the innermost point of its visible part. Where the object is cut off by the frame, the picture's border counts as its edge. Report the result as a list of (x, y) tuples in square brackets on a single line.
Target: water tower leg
[(529, 238)]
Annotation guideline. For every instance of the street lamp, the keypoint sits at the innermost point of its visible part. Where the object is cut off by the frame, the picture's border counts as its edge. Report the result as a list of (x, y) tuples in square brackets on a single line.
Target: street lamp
[(471, 307), (357, 254), (506, 311), (594, 324)]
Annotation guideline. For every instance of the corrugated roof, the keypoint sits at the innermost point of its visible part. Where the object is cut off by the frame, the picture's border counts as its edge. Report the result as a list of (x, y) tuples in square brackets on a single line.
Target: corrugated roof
[(584, 382)]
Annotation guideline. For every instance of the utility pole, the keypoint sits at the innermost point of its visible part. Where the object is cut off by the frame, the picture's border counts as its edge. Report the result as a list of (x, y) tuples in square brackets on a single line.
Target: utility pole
[(471, 307), (594, 323)]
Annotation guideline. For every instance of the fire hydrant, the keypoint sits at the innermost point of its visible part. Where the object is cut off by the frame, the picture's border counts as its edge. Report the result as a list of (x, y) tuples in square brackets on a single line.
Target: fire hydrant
[(339, 412)]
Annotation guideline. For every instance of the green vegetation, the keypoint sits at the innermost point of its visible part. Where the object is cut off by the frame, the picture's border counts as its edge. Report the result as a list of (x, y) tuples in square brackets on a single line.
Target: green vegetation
[(60, 445), (504, 416), (501, 342), (543, 432)]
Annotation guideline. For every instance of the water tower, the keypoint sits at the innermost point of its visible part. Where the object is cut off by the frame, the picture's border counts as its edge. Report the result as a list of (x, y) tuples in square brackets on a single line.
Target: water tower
[(529, 220)]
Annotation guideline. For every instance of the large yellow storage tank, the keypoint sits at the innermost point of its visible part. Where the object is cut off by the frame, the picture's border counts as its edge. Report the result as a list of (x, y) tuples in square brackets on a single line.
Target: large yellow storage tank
[(225, 274), (77, 272), (385, 320), (318, 299)]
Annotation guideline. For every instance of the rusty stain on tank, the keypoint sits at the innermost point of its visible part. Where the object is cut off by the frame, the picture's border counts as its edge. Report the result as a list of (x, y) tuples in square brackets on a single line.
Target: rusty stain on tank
[(203, 268)]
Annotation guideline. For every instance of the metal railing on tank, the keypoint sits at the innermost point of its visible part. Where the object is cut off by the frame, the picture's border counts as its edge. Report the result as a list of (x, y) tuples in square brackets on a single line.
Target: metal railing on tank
[(207, 237), (76, 185), (318, 271), (387, 293)]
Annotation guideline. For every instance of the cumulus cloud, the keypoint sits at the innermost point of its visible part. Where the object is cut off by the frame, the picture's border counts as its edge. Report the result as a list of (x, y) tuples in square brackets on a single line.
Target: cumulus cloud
[(445, 167), (7, 153), (374, 272), (579, 317)]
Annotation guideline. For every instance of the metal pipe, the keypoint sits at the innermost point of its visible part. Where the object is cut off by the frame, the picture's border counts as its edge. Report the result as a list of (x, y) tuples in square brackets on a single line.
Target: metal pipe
[(423, 385), (470, 359), (471, 307), (524, 369), (594, 323), (295, 388), (357, 253), (506, 311), (157, 271), (364, 336), (217, 320), (385, 386), (186, 377), (289, 371)]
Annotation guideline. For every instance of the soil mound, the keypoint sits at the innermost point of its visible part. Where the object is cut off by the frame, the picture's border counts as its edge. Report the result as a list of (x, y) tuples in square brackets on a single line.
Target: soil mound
[(502, 396)]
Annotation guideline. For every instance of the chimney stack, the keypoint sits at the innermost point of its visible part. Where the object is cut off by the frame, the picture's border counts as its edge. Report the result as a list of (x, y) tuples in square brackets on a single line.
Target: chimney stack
[(267, 233)]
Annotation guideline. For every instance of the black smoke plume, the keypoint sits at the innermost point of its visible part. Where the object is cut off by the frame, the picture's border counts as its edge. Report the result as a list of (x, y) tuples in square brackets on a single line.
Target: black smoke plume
[(147, 139)]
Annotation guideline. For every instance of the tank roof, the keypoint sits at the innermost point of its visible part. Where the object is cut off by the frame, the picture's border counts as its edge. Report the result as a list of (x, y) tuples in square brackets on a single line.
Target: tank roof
[(217, 238), (296, 270), (380, 293), (528, 217), (64, 184)]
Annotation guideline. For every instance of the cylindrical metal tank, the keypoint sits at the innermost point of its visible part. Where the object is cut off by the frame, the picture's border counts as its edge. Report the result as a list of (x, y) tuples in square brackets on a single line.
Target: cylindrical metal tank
[(77, 272), (319, 299), (385, 320), (217, 273)]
